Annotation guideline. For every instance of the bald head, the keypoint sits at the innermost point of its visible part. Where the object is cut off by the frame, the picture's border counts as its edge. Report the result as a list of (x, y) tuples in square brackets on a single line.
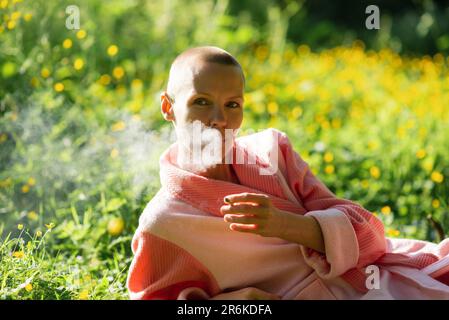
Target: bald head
[(188, 63)]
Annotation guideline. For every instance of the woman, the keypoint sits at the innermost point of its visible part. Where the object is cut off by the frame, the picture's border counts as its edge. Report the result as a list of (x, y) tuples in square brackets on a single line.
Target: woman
[(244, 218)]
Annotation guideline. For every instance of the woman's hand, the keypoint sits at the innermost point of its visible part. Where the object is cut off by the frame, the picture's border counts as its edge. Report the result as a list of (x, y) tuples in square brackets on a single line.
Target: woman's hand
[(249, 293), (254, 213)]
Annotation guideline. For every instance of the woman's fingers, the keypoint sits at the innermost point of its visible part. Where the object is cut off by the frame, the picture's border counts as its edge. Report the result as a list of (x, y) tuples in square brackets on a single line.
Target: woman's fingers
[(242, 219), (244, 209), (251, 228), (258, 198)]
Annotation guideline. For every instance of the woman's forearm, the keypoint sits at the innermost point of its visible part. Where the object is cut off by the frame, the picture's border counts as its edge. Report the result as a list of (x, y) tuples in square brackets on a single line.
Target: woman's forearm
[(304, 230)]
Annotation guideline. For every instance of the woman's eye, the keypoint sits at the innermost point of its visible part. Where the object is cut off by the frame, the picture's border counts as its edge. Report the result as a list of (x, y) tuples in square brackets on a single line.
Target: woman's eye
[(233, 105), (201, 102)]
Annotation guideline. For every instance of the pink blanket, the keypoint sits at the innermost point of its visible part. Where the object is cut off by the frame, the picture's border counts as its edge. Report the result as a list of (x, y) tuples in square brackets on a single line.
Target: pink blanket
[(183, 248)]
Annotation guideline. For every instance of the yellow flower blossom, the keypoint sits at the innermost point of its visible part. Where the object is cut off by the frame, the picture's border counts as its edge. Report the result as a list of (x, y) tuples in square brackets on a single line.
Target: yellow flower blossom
[(273, 107), (365, 184), (67, 44), (3, 4), (27, 17), (421, 153), (11, 24), (59, 87), (50, 226), (329, 169), (393, 232), (105, 79), (83, 295), (28, 287), (437, 177), (386, 210), (374, 172), (18, 254), (25, 188), (81, 34), (38, 233), (136, 84), (328, 157), (20, 226), (16, 15), (436, 203), (112, 50), (31, 181), (118, 72), (116, 226), (45, 73), (78, 64), (32, 215)]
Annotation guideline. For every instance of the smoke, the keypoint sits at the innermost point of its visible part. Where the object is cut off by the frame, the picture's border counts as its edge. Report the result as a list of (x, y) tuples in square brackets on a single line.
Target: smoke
[(72, 158), (201, 148)]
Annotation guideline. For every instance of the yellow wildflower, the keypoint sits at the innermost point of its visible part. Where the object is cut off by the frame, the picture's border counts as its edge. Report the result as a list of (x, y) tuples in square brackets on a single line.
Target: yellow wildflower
[(78, 64), (435, 203), (28, 287), (329, 169), (105, 79), (31, 181), (328, 156), (112, 50), (38, 233), (375, 172), (15, 15), (45, 73), (25, 188), (386, 210), (81, 34), (20, 226), (59, 87), (83, 295), (50, 226), (32, 215), (116, 226), (393, 232), (27, 17), (437, 177), (11, 24), (118, 72), (67, 44), (421, 153), (18, 254)]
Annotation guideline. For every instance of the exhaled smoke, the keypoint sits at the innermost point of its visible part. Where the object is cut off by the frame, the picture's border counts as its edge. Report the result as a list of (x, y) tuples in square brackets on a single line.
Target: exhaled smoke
[(201, 148)]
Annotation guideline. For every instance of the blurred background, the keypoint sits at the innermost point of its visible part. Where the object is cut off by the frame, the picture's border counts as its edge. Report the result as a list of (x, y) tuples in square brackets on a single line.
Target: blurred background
[(81, 131)]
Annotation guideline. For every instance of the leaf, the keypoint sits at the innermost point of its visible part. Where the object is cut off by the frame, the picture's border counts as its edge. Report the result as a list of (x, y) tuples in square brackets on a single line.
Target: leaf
[(115, 204)]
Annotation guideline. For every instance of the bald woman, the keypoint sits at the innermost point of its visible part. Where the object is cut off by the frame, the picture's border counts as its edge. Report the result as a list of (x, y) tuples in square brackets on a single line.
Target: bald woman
[(222, 230)]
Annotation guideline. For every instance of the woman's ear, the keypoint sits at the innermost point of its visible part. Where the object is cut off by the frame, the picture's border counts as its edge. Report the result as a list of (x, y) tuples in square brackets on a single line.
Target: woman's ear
[(167, 107)]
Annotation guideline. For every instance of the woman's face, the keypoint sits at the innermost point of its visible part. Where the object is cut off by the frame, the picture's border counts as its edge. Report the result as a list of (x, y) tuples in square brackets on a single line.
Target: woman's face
[(211, 93)]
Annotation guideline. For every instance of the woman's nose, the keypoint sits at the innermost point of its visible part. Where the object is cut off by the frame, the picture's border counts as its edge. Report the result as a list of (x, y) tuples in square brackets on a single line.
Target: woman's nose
[(218, 118)]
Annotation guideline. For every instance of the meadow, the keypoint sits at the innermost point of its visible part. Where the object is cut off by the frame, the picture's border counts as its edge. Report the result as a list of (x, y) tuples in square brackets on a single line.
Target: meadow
[(81, 131)]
